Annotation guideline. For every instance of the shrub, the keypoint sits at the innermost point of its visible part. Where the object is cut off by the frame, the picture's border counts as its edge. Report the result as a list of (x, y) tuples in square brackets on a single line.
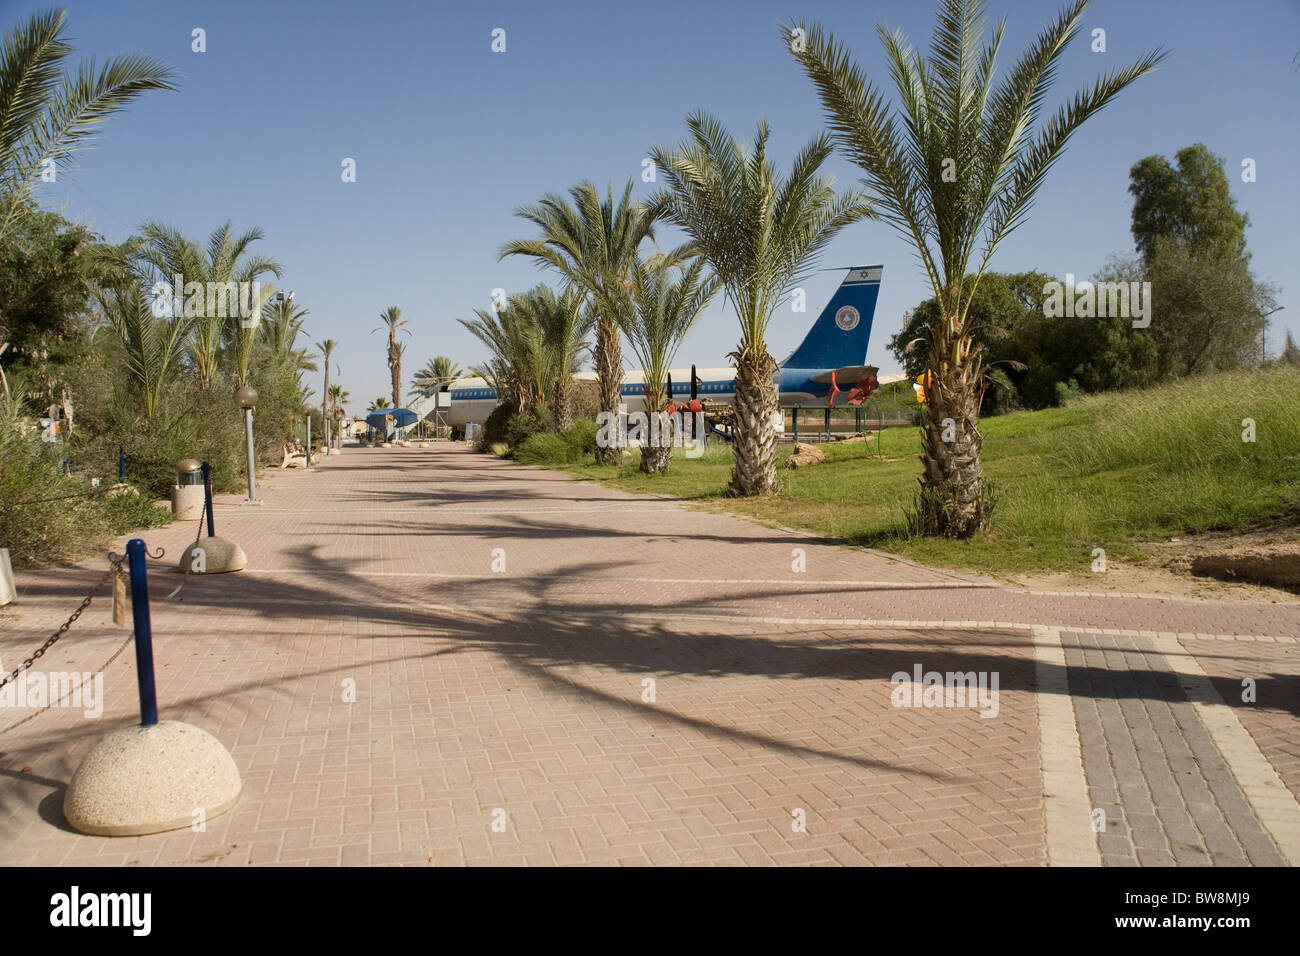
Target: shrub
[(581, 438), (544, 448), (494, 429)]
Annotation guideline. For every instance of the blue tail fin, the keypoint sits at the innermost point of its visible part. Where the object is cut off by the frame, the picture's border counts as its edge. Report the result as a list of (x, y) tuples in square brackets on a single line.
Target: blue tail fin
[(839, 336)]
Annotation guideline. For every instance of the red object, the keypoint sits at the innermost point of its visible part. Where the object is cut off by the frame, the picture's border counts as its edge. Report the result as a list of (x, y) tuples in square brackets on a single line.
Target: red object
[(864, 390), (671, 408), (693, 406), (835, 390)]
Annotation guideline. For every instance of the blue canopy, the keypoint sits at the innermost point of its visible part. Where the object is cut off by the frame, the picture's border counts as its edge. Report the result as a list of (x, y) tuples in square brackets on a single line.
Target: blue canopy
[(402, 417)]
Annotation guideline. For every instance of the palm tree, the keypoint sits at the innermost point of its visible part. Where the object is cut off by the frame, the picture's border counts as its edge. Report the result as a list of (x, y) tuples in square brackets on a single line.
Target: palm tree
[(327, 347), (563, 322), (664, 313), (759, 231), (962, 168), (380, 402), (167, 253), (151, 345), (48, 111), (393, 321), (592, 243), (437, 372), (515, 340), (338, 397)]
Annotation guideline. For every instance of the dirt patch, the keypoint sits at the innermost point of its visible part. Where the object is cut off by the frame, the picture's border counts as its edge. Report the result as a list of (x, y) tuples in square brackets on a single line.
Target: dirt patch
[(1246, 558)]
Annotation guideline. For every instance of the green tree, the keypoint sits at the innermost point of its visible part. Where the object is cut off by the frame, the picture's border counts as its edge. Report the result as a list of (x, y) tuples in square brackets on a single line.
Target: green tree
[(49, 109), (665, 310), (759, 230), (326, 347), (226, 265), (562, 323), (1209, 308), (961, 169), (593, 244), (152, 346), (1191, 204)]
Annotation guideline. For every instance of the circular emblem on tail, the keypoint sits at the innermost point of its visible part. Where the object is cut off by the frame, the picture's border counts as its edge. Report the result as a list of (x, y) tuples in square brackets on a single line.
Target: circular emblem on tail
[(847, 318)]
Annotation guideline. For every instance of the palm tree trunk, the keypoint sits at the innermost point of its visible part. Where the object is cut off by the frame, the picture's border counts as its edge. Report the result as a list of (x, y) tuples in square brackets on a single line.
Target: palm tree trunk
[(395, 367), (754, 444), (564, 401), (609, 373), (954, 501)]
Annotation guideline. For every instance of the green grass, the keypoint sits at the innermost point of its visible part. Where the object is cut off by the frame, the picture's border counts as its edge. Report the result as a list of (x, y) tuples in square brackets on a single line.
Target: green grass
[(1109, 471)]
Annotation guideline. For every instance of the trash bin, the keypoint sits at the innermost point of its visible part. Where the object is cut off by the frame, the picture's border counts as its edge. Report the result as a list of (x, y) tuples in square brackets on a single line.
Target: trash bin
[(187, 493)]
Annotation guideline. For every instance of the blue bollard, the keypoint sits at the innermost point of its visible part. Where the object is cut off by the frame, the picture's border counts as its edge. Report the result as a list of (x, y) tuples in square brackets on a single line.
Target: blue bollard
[(135, 555), (207, 496)]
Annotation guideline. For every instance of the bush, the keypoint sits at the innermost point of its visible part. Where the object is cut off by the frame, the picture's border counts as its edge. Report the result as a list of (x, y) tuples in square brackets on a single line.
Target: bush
[(522, 427), (494, 429), (1067, 392), (581, 438), (47, 517), (545, 448)]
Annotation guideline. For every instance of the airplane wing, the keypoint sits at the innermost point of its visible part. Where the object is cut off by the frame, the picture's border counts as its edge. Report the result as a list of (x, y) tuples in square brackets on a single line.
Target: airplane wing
[(846, 374)]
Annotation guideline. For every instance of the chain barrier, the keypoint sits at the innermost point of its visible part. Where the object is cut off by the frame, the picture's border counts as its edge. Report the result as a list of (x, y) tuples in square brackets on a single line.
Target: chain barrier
[(198, 536), (115, 567)]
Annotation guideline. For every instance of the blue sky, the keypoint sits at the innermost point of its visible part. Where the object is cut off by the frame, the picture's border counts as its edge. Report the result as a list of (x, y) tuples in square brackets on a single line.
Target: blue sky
[(449, 138)]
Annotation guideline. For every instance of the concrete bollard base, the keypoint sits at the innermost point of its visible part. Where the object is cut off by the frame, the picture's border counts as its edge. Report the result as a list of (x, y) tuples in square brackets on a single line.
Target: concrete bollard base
[(213, 556), (187, 502), (8, 593), (151, 779)]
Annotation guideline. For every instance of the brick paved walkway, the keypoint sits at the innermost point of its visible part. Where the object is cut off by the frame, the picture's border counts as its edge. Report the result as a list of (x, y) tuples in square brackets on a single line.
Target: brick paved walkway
[(428, 642)]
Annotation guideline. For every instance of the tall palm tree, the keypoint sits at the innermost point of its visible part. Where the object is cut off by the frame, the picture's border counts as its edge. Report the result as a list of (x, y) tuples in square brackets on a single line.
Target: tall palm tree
[(167, 253), (48, 110), (392, 320), (327, 347), (760, 231), (592, 243), (665, 310), (380, 402), (961, 169)]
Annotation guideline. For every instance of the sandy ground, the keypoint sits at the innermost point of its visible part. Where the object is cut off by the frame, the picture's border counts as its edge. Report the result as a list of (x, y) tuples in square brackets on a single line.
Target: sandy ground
[(1167, 571)]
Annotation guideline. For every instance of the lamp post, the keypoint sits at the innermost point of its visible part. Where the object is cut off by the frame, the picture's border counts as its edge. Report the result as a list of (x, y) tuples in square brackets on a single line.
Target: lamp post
[(246, 398)]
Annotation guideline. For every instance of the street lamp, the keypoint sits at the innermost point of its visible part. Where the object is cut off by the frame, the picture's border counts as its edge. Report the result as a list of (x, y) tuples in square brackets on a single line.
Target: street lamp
[(246, 398)]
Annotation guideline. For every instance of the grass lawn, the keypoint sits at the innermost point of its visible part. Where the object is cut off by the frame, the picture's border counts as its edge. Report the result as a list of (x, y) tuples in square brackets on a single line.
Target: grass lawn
[(1109, 471)]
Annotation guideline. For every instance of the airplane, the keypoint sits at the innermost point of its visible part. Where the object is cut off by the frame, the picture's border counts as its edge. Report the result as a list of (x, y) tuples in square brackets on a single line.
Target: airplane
[(830, 355)]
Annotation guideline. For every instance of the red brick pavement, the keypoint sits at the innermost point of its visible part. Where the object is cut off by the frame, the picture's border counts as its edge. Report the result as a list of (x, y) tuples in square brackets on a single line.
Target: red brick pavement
[(521, 691)]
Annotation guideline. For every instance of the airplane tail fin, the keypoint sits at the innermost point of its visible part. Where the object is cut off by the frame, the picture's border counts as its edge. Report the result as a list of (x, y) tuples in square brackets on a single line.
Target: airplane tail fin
[(839, 336)]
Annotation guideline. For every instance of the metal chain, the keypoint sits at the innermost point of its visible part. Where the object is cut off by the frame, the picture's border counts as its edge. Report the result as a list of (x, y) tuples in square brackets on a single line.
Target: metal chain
[(203, 515), (115, 568), (102, 667)]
